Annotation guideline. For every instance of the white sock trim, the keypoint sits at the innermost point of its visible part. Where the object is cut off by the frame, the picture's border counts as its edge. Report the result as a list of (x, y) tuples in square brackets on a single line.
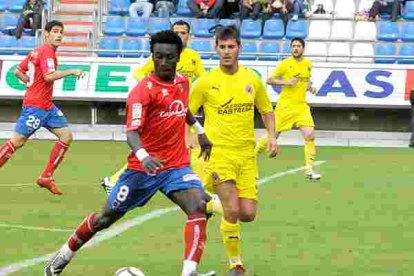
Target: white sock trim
[(189, 267)]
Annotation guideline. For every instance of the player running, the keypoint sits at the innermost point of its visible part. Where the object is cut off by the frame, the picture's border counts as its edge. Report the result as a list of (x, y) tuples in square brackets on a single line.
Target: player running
[(228, 95), (294, 74), (157, 111), (39, 71)]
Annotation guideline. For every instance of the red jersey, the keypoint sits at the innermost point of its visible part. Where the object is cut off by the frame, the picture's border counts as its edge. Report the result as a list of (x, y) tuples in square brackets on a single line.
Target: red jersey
[(157, 110), (36, 65)]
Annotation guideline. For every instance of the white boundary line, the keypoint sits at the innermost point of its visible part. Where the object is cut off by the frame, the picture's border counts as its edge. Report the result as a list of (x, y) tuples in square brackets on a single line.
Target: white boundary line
[(119, 228), (7, 185), (16, 226)]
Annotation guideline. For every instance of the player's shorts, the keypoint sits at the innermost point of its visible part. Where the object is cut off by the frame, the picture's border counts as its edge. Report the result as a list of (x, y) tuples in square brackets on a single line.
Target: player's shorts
[(32, 118), (198, 164), (228, 165), (288, 118), (134, 188)]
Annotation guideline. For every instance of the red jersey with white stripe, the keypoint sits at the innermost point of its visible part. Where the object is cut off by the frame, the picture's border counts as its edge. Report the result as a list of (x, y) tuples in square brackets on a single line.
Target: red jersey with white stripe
[(157, 110), (36, 65)]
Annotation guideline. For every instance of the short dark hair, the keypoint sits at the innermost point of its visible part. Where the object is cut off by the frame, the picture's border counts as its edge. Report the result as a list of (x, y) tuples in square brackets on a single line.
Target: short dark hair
[(53, 23), (166, 37), (298, 39), (227, 32), (182, 23)]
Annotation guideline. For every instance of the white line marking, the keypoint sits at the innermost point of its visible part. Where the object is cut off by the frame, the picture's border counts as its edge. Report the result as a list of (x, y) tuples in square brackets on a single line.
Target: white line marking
[(119, 228), (5, 225), (35, 185)]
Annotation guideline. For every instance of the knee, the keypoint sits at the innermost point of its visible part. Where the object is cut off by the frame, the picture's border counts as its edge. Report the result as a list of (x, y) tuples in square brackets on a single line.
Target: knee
[(196, 208), (18, 141), (103, 221), (232, 215), (247, 216), (310, 136), (66, 137)]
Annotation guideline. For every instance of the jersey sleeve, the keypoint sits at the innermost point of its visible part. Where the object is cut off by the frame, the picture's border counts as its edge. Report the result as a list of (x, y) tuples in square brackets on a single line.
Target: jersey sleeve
[(279, 71), (24, 64), (197, 96), (144, 70), (136, 108), (47, 61), (262, 100)]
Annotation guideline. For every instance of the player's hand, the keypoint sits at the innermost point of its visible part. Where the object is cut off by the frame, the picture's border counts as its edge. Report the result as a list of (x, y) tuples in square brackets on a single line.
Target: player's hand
[(292, 81), (78, 73), (272, 147), (205, 146), (312, 90), (152, 164)]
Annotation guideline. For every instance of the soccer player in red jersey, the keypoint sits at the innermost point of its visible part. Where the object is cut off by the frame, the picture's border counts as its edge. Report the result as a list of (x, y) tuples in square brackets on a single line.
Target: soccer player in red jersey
[(157, 111), (38, 71)]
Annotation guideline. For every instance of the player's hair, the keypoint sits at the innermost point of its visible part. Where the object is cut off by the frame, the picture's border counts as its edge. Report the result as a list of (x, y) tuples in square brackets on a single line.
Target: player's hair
[(166, 37), (227, 32), (51, 24), (182, 23), (301, 41)]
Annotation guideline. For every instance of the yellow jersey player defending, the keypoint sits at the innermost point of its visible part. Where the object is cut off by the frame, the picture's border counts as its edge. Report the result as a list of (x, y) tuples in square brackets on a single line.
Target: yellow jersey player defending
[(228, 95), (294, 74)]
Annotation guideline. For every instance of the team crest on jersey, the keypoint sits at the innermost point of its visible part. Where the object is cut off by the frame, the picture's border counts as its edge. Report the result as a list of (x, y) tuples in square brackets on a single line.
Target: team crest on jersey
[(149, 85), (215, 177), (249, 89), (181, 88), (164, 92), (193, 61)]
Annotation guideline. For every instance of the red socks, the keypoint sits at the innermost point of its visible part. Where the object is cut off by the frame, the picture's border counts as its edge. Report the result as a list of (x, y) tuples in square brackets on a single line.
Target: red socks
[(6, 151), (55, 158), (83, 233), (195, 237)]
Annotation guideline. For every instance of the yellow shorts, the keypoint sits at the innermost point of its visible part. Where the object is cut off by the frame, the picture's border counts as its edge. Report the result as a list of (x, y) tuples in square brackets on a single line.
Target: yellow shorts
[(225, 165), (288, 118), (198, 164)]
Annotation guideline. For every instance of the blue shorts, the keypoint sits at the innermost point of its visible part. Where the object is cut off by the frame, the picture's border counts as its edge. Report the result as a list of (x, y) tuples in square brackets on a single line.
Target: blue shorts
[(33, 118), (134, 188)]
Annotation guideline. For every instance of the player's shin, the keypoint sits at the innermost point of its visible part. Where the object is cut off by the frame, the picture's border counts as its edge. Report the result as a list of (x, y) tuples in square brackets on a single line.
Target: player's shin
[(231, 239), (83, 233), (56, 156), (310, 152), (6, 151), (195, 238)]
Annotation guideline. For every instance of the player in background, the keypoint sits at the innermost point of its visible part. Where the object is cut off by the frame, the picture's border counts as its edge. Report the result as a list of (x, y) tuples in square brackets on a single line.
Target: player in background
[(294, 75), (157, 111), (228, 95), (39, 71)]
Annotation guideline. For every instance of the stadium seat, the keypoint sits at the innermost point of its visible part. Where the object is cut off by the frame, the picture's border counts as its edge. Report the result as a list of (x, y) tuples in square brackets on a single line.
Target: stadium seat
[(408, 12), (319, 50), (182, 9), (202, 26), (360, 51), (342, 30), (16, 5), (136, 26), (8, 20), (249, 50), (319, 29), (366, 31), (3, 5), (407, 31), (406, 50), (385, 49), (156, 24), (134, 48), (202, 45), (285, 50), (339, 52), (118, 7), (387, 31), (229, 22), (251, 28), (8, 42), (296, 29), (26, 44), (114, 26), (345, 9), (147, 50), (273, 29), (269, 47), (108, 43)]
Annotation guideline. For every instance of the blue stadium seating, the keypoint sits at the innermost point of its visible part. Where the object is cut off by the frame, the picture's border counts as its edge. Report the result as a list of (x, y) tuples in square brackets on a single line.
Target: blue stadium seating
[(27, 43), (202, 46), (182, 9), (229, 22), (117, 7), (251, 28), (387, 31), (406, 50), (108, 43), (156, 24), (136, 45), (3, 5), (269, 47), (136, 26), (273, 29), (285, 49), (8, 42), (296, 29), (247, 48), (114, 26), (408, 12), (407, 31), (202, 26), (9, 20), (16, 5), (385, 49), (147, 50)]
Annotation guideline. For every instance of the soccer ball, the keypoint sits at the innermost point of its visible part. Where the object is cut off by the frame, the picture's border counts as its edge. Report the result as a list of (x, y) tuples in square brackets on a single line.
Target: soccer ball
[(129, 271)]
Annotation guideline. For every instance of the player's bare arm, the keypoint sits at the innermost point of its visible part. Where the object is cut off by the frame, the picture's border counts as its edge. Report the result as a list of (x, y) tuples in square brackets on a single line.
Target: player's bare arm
[(269, 121), (203, 140), (21, 76), (150, 163), (61, 74), (280, 82)]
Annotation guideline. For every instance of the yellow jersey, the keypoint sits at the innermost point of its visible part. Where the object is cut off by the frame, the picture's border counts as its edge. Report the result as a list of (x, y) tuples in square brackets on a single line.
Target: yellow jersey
[(228, 102), (189, 65), (288, 69)]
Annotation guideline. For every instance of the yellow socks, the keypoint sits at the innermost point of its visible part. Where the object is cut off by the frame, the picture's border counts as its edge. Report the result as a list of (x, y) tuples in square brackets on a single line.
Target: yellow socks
[(261, 145), (310, 152), (115, 176), (231, 239)]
